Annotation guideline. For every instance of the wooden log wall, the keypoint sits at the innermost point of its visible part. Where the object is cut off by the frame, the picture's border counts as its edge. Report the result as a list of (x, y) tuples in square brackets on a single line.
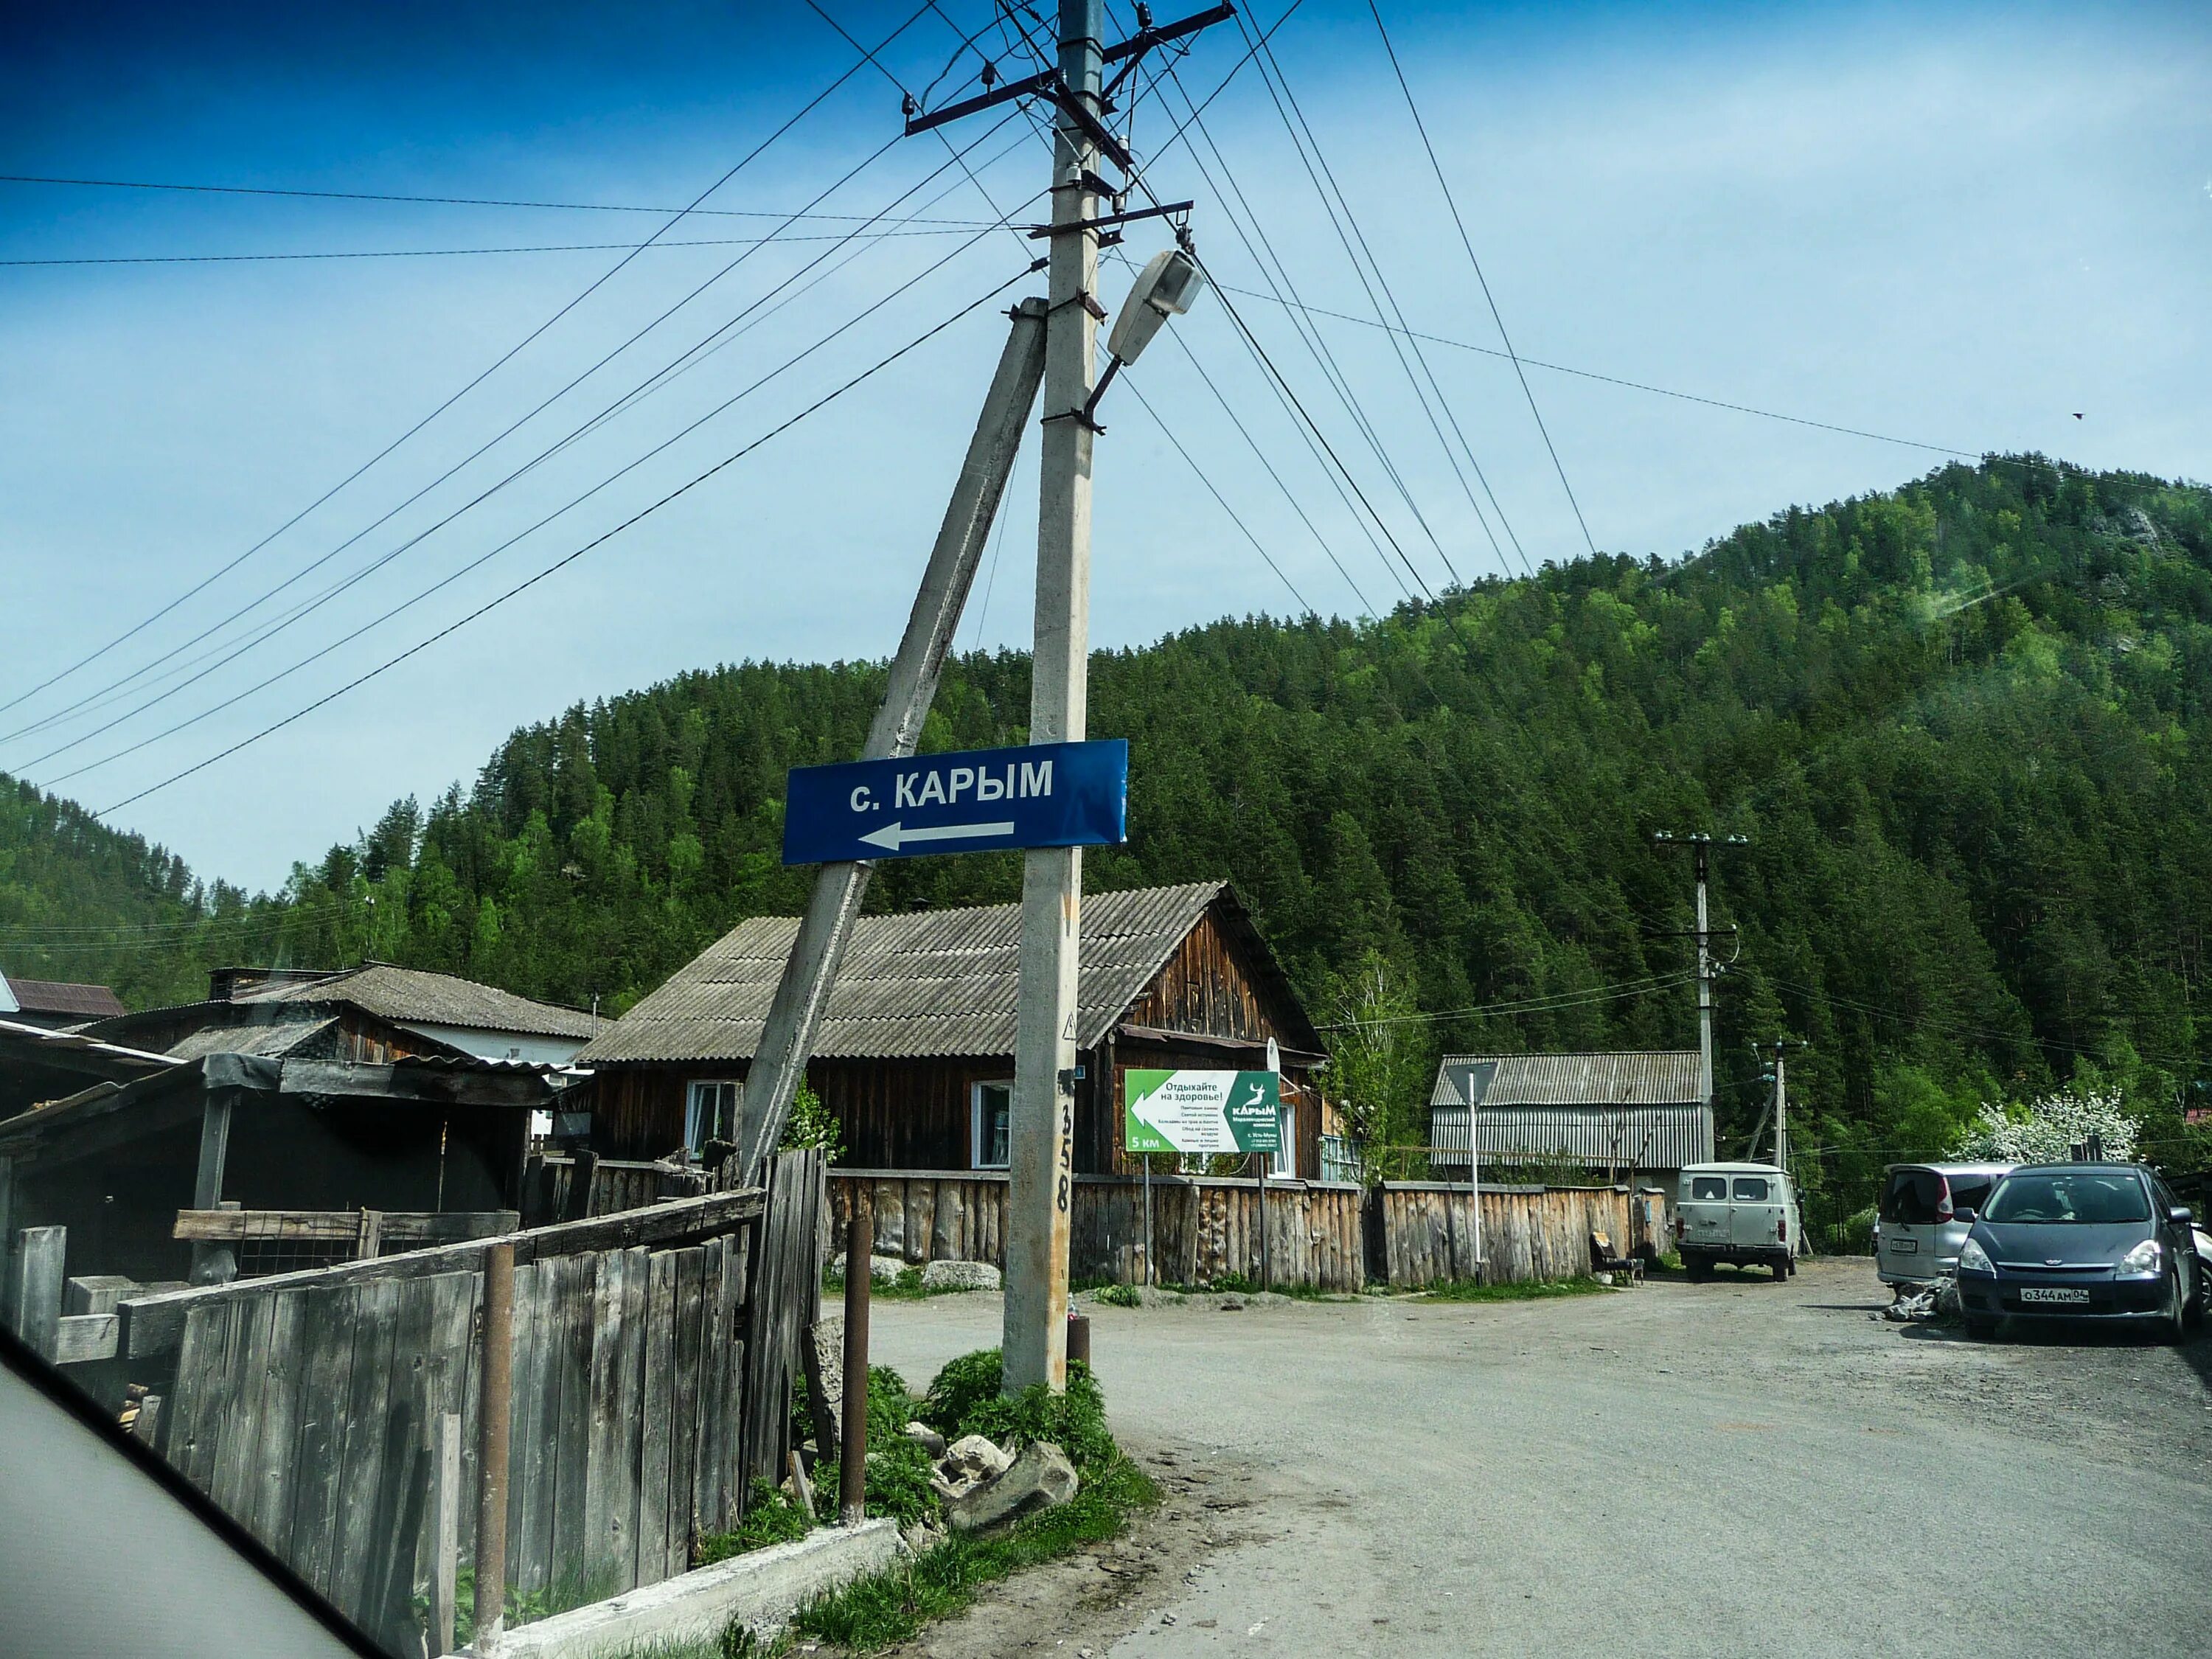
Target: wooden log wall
[(308, 1410), (1528, 1233), (1204, 1228)]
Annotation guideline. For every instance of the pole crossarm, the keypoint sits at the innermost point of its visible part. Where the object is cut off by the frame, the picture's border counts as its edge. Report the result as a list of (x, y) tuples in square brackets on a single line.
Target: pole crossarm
[(1053, 84)]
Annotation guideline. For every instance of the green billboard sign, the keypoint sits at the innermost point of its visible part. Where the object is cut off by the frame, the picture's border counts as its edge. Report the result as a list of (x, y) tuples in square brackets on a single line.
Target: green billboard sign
[(1202, 1111)]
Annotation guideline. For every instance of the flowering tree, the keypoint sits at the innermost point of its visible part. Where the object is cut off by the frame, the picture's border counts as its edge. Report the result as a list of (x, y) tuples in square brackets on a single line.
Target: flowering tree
[(2045, 1130)]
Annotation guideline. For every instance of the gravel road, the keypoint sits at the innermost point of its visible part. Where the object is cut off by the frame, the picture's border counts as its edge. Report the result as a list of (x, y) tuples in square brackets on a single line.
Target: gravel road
[(1737, 1467)]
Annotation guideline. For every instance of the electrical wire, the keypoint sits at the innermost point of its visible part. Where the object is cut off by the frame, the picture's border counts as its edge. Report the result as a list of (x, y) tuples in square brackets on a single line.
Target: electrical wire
[(1489, 299), (485, 557), (629, 397), (1305, 604), (443, 201), (1614, 993), (509, 356), (1633, 386), (1332, 208), (943, 229), (1435, 389), (568, 559)]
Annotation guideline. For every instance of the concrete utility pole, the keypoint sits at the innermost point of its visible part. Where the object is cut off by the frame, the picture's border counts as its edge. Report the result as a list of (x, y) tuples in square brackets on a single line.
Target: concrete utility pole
[(1781, 1108), (1701, 847), (787, 1040), (1040, 1176)]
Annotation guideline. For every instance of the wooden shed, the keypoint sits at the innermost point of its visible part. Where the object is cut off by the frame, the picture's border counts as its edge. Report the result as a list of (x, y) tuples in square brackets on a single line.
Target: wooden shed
[(915, 1053)]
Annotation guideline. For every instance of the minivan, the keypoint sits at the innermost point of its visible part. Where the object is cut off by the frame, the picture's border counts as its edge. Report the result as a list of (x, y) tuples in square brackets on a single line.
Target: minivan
[(1745, 1214), (1918, 1228)]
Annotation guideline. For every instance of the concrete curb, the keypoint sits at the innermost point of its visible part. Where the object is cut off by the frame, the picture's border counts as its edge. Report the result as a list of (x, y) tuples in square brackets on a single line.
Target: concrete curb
[(763, 1589)]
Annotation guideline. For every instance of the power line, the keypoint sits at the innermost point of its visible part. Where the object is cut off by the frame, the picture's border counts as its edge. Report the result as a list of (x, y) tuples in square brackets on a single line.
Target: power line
[(941, 228), (595, 285), (1147, 403), (568, 559), (1467, 243), (1614, 993), (606, 413), (491, 553), (1331, 208), (1633, 386), (447, 201)]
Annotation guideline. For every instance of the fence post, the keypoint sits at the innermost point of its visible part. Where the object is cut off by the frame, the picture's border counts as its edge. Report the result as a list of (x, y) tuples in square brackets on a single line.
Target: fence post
[(494, 1403), (1150, 1279), (1266, 1280), (445, 1530), (37, 1297), (853, 1456)]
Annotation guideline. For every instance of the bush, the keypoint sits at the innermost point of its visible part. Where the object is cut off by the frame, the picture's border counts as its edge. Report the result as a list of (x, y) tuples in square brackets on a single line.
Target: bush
[(770, 1518), (1121, 1296), (965, 1399), (1854, 1234), (897, 1483), (963, 1384)]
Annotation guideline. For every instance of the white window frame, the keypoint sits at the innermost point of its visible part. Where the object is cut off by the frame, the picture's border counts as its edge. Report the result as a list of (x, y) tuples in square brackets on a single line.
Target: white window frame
[(693, 1139), (978, 1140)]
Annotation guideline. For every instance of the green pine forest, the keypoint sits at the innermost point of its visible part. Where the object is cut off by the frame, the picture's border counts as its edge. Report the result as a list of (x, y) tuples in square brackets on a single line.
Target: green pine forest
[(1965, 726)]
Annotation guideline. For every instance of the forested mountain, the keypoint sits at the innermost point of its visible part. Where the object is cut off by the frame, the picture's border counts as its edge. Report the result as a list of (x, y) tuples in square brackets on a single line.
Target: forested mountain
[(79, 900), (1963, 726)]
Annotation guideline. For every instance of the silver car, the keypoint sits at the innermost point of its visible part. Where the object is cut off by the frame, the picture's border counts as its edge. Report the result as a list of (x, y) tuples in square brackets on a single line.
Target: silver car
[(1918, 1228)]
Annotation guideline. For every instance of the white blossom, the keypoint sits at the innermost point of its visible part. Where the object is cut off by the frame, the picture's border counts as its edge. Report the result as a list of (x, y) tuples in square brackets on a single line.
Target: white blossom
[(2045, 1130)]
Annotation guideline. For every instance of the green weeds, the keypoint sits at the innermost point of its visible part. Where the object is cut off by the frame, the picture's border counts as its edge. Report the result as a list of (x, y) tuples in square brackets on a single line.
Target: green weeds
[(1467, 1289)]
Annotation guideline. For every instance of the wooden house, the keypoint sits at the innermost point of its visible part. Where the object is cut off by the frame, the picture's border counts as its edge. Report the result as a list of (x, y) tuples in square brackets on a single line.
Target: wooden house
[(915, 1054)]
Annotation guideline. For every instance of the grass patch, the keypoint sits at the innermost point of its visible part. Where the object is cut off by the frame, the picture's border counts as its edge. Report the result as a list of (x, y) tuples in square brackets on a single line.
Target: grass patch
[(892, 1606), (1467, 1289), (964, 1398), (1120, 1296), (770, 1517), (1239, 1284)]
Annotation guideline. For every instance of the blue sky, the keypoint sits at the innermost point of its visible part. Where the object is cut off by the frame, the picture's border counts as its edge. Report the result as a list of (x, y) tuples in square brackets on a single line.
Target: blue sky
[(1955, 224)]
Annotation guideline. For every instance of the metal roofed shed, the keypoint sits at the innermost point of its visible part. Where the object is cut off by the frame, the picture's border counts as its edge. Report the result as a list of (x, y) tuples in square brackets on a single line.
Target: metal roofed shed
[(1635, 1114), (383, 1012), (53, 1002), (917, 1042)]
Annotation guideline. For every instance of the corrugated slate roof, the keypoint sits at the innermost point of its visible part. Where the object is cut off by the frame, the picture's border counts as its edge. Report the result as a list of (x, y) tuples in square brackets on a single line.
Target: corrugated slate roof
[(1666, 1077), (1636, 1137), (936, 982), (53, 996), (273, 1042), (413, 994)]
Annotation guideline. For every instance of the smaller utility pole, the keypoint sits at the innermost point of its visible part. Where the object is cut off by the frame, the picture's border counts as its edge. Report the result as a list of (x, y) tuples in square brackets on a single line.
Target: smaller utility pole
[(1701, 850), (1781, 1107)]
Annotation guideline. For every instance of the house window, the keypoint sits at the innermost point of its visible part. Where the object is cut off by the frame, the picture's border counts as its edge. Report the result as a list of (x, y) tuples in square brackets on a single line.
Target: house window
[(710, 1113), (991, 1111)]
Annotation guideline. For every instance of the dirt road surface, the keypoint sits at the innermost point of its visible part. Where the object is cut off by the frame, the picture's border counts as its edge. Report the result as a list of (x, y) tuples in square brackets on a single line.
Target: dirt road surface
[(1739, 1467)]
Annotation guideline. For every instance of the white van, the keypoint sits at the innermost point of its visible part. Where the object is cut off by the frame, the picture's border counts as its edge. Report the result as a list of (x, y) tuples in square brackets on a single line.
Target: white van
[(1744, 1213)]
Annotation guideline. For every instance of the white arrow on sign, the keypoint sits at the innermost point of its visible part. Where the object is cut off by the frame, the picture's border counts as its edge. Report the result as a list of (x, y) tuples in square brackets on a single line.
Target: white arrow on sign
[(893, 835)]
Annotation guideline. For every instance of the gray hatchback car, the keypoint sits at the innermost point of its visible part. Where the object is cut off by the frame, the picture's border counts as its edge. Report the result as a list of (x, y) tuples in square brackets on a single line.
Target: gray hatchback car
[(1918, 1226)]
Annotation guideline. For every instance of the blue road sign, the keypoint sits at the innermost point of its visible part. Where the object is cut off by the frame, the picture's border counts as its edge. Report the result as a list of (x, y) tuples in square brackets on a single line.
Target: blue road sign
[(1042, 794)]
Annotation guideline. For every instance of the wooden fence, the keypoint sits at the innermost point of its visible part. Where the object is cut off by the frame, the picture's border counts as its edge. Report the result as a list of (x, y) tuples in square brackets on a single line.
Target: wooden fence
[(652, 1367), (558, 1187), (1205, 1229), (1328, 1235), (1420, 1232)]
